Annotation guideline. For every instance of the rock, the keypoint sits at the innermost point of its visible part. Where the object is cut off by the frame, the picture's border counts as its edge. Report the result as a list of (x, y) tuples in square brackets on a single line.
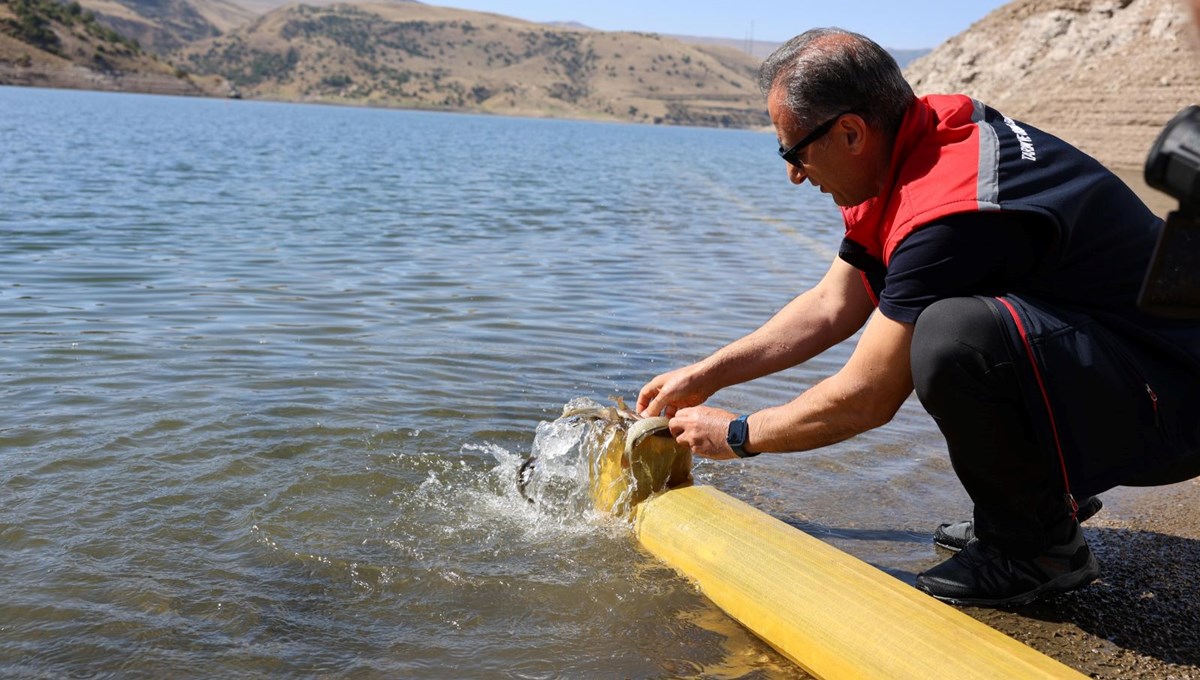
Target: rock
[(1105, 75)]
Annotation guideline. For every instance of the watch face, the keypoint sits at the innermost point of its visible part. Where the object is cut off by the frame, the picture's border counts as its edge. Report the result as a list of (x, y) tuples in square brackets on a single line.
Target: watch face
[(738, 430)]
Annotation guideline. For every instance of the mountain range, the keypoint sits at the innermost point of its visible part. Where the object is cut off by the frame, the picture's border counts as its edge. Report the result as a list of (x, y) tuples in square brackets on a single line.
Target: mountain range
[(420, 56), (399, 53)]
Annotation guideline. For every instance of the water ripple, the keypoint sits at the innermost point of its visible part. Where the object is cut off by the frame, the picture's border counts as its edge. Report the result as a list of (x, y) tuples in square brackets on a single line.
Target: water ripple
[(268, 370)]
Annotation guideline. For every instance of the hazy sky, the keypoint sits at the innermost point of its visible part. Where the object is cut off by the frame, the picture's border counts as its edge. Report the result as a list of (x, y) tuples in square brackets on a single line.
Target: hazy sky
[(900, 24)]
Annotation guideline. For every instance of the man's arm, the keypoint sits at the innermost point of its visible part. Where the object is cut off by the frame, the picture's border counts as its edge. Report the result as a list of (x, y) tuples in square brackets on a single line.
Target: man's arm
[(863, 395), (810, 324)]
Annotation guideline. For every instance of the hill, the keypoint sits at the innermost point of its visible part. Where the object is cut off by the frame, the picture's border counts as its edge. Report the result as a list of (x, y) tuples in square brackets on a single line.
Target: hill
[(402, 53), (44, 43), (761, 49), (755, 48), (264, 6), (1105, 75), (419, 56), (164, 25)]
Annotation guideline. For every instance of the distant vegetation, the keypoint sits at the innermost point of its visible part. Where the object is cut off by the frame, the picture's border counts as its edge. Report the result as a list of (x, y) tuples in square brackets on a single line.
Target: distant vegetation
[(51, 44), (418, 56), (34, 25)]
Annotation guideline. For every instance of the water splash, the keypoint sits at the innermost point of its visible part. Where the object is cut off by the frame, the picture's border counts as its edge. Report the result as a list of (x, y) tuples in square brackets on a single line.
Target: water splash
[(560, 476)]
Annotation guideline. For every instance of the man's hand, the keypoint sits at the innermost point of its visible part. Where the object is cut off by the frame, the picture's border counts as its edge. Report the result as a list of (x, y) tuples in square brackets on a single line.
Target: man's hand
[(704, 429), (671, 391)]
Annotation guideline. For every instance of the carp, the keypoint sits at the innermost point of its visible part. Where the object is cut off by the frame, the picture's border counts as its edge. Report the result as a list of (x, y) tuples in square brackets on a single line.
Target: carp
[(628, 457)]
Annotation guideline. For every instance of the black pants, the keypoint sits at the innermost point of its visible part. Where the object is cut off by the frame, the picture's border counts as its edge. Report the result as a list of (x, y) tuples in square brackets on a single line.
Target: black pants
[(1040, 404)]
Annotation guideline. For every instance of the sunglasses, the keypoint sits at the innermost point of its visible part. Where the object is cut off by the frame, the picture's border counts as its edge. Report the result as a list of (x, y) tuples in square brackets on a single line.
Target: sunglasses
[(792, 154)]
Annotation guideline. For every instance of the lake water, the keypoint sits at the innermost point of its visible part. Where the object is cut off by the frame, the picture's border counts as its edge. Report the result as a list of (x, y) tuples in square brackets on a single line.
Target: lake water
[(268, 370)]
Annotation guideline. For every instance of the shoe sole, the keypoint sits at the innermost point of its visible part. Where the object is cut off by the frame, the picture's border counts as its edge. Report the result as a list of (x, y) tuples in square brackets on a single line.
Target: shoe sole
[(1066, 582), (952, 547), (1086, 512)]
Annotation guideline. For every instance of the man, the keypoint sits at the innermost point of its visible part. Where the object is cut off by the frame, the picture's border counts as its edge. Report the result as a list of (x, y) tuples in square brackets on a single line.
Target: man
[(1005, 266)]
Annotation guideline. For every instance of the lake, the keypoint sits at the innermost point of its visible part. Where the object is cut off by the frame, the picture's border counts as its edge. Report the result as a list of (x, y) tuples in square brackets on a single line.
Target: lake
[(269, 370)]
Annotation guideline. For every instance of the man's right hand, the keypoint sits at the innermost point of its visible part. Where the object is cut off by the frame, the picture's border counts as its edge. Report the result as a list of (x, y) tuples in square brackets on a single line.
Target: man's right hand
[(667, 393)]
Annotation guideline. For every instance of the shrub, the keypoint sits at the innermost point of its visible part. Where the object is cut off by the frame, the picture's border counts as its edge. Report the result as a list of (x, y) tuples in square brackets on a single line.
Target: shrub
[(32, 25), (337, 81)]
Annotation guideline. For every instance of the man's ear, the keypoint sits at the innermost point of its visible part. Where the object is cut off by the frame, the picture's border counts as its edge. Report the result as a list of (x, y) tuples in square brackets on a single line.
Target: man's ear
[(853, 130)]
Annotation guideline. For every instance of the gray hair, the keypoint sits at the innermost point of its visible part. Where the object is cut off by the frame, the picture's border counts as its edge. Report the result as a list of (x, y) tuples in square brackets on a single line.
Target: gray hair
[(827, 71)]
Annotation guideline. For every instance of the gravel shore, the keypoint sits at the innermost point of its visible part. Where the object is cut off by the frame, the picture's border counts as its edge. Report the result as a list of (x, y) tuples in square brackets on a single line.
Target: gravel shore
[(1141, 618)]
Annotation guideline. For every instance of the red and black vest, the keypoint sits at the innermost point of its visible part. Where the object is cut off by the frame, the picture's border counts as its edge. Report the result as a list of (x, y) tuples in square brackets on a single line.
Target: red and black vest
[(955, 155)]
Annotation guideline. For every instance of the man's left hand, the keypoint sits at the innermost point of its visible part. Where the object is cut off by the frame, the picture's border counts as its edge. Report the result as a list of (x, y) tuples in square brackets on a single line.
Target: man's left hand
[(704, 429)]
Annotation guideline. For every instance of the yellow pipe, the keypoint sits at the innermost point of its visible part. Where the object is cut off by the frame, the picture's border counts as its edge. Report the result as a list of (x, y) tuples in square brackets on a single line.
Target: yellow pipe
[(830, 613)]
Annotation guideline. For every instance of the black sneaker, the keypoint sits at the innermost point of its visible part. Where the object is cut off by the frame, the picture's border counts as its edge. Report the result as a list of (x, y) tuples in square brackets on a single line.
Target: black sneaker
[(982, 575), (956, 536)]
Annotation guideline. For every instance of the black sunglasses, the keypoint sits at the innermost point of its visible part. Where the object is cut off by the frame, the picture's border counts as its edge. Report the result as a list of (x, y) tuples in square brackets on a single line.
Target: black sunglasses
[(792, 154)]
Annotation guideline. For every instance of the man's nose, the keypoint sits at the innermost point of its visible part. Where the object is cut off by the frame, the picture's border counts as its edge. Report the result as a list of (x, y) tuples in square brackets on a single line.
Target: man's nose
[(796, 175)]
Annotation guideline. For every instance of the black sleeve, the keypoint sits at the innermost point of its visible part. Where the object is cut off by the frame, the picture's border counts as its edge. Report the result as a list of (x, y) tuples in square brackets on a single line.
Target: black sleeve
[(962, 255)]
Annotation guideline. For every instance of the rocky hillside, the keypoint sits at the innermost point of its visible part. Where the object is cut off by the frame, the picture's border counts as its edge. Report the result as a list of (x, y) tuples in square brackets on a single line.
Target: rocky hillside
[(420, 56), (1105, 75), (163, 25), (264, 6), (44, 43)]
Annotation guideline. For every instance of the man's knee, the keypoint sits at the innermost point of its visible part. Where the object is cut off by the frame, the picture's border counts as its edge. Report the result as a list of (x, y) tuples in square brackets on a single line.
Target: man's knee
[(957, 343)]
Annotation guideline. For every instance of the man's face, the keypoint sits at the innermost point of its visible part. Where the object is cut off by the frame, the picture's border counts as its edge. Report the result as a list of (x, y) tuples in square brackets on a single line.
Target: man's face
[(822, 162)]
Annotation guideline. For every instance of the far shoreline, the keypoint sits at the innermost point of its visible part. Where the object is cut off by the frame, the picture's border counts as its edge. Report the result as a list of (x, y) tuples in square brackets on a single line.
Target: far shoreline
[(1157, 201)]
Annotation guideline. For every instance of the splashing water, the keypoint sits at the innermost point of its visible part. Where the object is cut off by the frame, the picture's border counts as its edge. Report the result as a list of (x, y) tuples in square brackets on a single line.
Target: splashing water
[(555, 475)]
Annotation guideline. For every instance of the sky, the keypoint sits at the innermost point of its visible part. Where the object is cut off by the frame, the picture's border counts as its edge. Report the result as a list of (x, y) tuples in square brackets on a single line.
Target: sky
[(897, 24)]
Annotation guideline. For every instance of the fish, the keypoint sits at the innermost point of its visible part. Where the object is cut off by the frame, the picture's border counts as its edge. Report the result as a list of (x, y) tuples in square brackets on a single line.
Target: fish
[(629, 458)]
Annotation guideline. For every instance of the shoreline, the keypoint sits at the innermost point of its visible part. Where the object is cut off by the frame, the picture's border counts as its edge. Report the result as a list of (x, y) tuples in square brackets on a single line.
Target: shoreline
[(212, 87), (100, 83)]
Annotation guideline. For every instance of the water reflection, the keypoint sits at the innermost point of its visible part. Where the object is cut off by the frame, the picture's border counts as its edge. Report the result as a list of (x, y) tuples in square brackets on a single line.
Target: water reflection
[(269, 369)]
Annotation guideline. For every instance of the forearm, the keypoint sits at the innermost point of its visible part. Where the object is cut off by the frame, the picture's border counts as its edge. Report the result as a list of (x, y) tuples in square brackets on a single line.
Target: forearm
[(863, 395), (828, 413), (821, 416), (806, 327)]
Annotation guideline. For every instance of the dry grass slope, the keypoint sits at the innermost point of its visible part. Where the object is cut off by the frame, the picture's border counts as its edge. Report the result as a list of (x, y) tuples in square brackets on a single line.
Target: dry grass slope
[(419, 56), (164, 25), (44, 43)]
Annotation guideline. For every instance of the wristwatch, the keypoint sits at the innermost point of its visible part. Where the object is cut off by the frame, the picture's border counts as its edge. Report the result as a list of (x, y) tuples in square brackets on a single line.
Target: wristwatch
[(739, 433)]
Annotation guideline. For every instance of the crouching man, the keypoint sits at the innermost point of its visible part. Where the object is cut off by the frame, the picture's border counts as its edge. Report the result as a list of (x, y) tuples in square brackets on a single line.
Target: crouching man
[(996, 269)]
